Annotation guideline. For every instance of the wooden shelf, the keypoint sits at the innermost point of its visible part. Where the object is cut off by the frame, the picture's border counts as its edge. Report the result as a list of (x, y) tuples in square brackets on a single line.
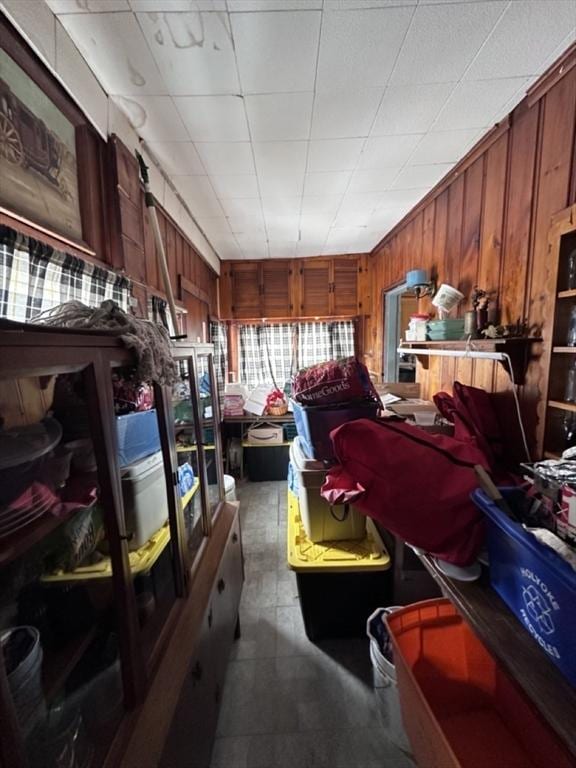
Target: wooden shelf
[(565, 350), (571, 294), (562, 405), (511, 643), (12, 547), (517, 348)]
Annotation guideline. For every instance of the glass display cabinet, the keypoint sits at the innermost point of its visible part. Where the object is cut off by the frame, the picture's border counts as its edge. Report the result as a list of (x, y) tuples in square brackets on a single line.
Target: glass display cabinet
[(112, 514)]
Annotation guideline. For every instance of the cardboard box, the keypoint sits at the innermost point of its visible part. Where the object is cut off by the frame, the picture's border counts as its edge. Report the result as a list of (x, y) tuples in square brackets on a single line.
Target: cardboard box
[(265, 435), (400, 388)]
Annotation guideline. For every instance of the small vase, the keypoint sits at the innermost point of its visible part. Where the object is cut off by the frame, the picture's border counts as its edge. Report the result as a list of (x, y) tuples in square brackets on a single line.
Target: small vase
[(470, 329), (481, 318)]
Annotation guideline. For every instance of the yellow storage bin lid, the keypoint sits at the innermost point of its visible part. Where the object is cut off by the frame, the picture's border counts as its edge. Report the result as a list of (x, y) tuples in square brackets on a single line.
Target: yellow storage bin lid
[(368, 554), (141, 560)]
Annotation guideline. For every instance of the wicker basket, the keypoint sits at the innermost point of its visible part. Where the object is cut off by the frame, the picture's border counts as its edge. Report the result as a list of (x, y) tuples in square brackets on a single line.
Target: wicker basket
[(277, 410)]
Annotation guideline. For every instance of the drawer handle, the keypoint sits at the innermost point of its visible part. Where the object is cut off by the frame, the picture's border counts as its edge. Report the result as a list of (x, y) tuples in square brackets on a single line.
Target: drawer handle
[(221, 585), (197, 672), (234, 537)]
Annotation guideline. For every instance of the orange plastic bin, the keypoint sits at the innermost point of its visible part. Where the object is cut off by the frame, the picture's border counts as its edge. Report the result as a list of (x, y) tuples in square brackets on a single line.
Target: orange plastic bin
[(460, 709)]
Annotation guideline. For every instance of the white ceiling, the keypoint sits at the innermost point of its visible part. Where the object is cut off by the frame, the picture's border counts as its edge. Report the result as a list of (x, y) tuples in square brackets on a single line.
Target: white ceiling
[(306, 127)]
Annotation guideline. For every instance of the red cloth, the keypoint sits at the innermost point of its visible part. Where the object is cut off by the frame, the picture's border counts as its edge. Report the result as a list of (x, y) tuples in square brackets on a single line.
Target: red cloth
[(417, 485)]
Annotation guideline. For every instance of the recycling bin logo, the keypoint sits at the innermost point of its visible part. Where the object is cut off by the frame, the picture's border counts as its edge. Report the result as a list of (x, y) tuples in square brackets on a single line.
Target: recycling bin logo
[(538, 608)]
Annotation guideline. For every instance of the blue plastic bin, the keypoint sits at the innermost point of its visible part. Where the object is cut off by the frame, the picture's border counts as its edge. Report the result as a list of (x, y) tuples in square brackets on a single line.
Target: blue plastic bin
[(536, 584), (315, 422), (138, 436)]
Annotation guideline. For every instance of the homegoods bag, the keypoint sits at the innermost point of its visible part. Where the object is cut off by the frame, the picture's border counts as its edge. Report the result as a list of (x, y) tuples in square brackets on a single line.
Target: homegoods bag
[(332, 382)]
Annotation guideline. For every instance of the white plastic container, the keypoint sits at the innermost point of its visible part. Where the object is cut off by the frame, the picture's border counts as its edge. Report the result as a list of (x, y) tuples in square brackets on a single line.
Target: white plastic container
[(229, 488), (145, 502), (321, 521)]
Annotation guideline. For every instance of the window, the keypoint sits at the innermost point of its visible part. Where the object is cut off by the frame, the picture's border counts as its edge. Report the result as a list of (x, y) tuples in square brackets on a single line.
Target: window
[(271, 354)]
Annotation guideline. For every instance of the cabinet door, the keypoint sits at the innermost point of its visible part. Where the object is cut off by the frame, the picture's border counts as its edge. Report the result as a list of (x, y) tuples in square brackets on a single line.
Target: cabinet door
[(314, 288), (276, 279), (345, 287), (191, 735), (245, 285)]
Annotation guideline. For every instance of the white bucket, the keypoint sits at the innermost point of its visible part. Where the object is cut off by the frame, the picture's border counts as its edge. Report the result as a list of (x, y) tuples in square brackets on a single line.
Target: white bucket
[(447, 297)]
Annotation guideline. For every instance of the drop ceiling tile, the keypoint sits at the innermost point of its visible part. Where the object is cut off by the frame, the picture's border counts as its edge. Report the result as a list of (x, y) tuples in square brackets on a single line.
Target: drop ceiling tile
[(276, 158), (165, 6), (242, 206), (281, 206), (331, 183), (281, 185), (213, 118), (523, 39), (279, 116), (334, 155), (443, 40), (194, 51), (226, 247), (236, 186), (352, 219), (224, 158), (276, 52), (282, 228), (410, 108), (443, 147), (345, 114), (217, 226), (280, 249), (387, 151), (322, 204), (401, 199), (355, 5), (314, 227), (87, 6), (177, 158), (309, 248), (360, 202), (248, 225), (367, 240), (155, 118), (115, 48), (373, 181), (419, 176), (199, 196), (358, 50), (235, 6), (474, 104)]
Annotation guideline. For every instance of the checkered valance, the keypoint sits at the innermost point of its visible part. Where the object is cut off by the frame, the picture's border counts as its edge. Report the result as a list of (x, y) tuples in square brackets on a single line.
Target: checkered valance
[(35, 277), (271, 354)]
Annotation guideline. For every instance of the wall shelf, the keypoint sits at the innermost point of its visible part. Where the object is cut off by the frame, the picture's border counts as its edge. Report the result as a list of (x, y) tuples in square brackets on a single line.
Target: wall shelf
[(565, 350), (571, 294), (517, 349)]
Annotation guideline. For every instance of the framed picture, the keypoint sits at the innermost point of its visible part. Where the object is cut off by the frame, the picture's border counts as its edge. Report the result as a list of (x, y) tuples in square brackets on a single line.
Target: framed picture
[(37, 154)]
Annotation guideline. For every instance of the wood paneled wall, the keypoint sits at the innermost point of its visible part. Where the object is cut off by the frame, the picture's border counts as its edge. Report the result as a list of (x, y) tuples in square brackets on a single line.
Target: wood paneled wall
[(487, 223)]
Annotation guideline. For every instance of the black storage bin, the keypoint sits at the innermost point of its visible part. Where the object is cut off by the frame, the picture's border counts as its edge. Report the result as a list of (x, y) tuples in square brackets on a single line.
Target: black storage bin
[(269, 463), (338, 604)]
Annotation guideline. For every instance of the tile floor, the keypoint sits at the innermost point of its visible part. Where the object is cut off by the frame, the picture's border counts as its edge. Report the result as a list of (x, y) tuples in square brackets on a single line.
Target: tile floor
[(287, 702)]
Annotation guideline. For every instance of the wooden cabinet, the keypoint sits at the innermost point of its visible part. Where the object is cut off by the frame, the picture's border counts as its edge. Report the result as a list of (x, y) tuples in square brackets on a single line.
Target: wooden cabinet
[(283, 289), (560, 430), (122, 628)]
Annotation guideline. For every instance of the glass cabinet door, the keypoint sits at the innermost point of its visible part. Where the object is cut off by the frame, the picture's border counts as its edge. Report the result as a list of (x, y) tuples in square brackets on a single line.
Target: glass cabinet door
[(59, 625), (209, 409), (148, 494)]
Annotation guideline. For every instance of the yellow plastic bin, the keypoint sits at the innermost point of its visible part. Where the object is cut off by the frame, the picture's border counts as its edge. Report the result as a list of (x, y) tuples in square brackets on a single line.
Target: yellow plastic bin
[(340, 583)]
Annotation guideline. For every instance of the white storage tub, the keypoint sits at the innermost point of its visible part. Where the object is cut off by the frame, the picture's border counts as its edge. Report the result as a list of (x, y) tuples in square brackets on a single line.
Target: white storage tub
[(321, 521), (145, 502)]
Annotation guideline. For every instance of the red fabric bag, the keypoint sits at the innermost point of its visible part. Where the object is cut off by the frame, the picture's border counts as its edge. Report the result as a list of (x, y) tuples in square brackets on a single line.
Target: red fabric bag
[(333, 382), (415, 484)]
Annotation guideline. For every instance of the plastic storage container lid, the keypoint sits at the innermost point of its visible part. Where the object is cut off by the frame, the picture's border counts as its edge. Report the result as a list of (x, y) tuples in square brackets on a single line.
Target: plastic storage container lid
[(139, 469), (21, 445), (367, 554)]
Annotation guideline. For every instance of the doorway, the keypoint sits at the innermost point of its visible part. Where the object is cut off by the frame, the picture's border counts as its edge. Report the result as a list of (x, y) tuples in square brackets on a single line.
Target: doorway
[(399, 304)]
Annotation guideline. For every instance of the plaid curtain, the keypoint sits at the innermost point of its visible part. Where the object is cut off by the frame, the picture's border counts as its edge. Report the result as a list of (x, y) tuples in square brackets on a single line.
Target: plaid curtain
[(34, 277), (266, 354), (219, 339), (273, 353)]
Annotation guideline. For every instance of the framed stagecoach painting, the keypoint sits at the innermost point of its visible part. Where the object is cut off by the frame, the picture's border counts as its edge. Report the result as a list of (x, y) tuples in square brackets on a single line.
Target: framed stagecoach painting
[(38, 164)]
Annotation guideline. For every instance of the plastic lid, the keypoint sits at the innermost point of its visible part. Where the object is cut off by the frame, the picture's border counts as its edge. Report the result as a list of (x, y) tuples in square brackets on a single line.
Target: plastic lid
[(21, 445)]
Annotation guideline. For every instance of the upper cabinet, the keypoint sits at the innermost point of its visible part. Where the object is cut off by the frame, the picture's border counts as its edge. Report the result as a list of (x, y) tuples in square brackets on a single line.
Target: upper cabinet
[(290, 288)]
